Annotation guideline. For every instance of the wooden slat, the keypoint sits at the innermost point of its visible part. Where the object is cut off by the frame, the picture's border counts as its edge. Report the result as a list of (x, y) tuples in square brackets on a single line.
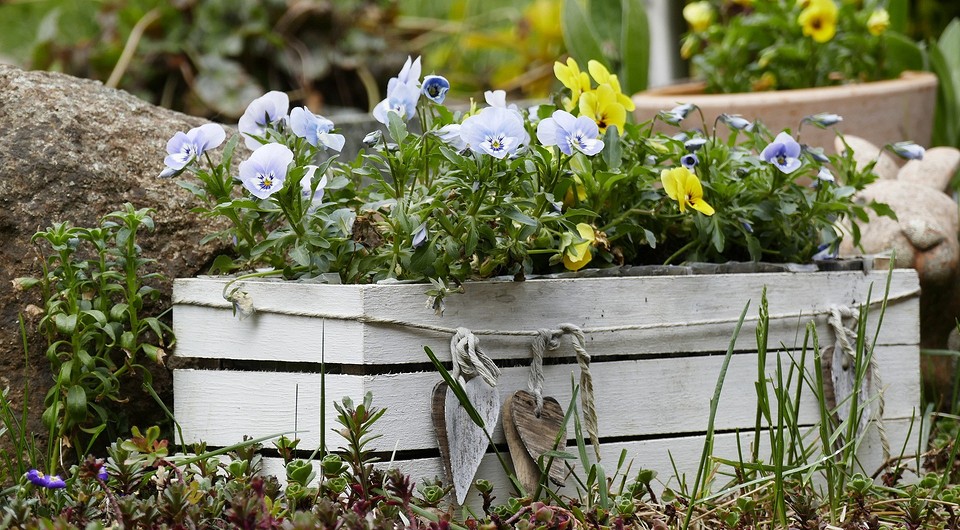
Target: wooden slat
[(684, 313), (636, 397), (652, 454)]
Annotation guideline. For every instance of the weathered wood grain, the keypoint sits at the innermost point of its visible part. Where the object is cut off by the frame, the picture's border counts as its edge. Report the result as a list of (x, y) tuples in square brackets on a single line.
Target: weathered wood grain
[(681, 313), (637, 397)]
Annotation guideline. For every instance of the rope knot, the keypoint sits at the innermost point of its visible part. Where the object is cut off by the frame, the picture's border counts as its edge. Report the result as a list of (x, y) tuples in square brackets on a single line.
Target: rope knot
[(469, 361)]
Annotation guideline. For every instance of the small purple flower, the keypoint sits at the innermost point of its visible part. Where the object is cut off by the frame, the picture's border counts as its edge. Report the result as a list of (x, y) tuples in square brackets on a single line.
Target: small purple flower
[(45, 481), (435, 88), (420, 235), (783, 152), (689, 161), (403, 92), (306, 187), (735, 121), (102, 474), (264, 172), (496, 131), (570, 133), (450, 135), (268, 109), (402, 99), (823, 119), (315, 129), (183, 148), (908, 150), (694, 144)]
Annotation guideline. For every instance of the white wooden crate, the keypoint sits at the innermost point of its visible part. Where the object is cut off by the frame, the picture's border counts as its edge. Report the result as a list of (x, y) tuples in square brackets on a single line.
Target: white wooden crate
[(653, 382)]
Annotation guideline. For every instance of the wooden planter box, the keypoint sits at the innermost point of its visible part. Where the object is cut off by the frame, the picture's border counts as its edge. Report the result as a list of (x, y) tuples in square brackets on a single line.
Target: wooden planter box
[(653, 384)]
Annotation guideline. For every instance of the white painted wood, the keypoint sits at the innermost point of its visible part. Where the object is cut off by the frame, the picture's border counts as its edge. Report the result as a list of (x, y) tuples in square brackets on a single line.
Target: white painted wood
[(694, 314), (636, 397), (653, 454)]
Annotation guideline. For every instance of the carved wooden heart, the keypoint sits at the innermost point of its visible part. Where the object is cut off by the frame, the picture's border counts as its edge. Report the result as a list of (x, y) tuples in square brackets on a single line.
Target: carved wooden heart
[(467, 442), (538, 434)]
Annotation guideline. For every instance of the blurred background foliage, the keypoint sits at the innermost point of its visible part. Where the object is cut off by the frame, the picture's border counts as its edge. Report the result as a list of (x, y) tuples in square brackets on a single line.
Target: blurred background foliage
[(212, 57)]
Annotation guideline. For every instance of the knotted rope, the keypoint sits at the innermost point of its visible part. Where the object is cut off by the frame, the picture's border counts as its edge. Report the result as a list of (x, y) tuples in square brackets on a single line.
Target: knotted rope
[(845, 355), (469, 360), (549, 340)]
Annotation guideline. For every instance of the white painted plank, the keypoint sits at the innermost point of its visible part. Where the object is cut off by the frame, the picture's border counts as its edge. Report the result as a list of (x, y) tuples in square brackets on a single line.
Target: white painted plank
[(637, 397), (696, 314), (650, 454)]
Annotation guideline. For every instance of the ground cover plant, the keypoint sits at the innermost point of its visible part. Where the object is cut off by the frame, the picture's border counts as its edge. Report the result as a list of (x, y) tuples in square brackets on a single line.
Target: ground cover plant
[(147, 482)]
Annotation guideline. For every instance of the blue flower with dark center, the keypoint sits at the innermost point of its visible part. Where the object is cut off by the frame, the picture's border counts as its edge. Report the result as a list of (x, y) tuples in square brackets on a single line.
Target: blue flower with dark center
[(184, 148), (689, 161), (570, 133), (266, 169), (783, 152), (435, 88), (496, 131), (45, 481)]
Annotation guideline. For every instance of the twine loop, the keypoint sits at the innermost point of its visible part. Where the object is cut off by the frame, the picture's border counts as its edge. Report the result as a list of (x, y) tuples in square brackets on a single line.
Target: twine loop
[(844, 362), (549, 340), (469, 361)]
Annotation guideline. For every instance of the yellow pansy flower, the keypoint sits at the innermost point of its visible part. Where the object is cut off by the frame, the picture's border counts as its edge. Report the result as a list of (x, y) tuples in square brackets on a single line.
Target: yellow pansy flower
[(570, 75), (577, 255), (602, 106), (578, 188), (819, 20), (699, 15), (684, 187), (603, 77), (878, 22)]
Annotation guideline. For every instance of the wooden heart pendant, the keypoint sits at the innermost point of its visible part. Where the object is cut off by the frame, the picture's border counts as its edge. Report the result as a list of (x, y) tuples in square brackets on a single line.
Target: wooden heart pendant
[(466, 441), (529, 436)]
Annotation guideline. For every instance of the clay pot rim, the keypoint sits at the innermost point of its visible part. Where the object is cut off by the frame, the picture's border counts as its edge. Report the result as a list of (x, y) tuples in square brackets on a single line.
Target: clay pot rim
[(668, 96)]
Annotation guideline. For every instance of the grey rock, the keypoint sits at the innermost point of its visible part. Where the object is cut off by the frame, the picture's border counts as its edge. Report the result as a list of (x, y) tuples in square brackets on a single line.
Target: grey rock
[(74, 150)]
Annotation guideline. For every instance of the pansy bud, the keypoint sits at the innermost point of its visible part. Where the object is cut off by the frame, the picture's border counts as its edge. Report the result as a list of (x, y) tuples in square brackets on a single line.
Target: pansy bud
[(695, 144), (373, 138), (420, 235), (823, 119), (907, 150), (735, 121), (825, 175)]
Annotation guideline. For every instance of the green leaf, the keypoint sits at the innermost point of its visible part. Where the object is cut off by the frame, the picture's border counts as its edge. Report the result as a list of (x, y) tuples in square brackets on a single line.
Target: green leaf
[(397, 127), (903, 54), (118, 312), (634, 47), (578, 34), (899, 11), (612, 150), (76, 404), (515, 214), (66, 324)]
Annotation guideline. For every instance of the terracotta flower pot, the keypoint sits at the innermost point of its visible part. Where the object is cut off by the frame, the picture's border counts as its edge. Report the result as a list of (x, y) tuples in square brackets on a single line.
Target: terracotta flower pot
[(881, 112)]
